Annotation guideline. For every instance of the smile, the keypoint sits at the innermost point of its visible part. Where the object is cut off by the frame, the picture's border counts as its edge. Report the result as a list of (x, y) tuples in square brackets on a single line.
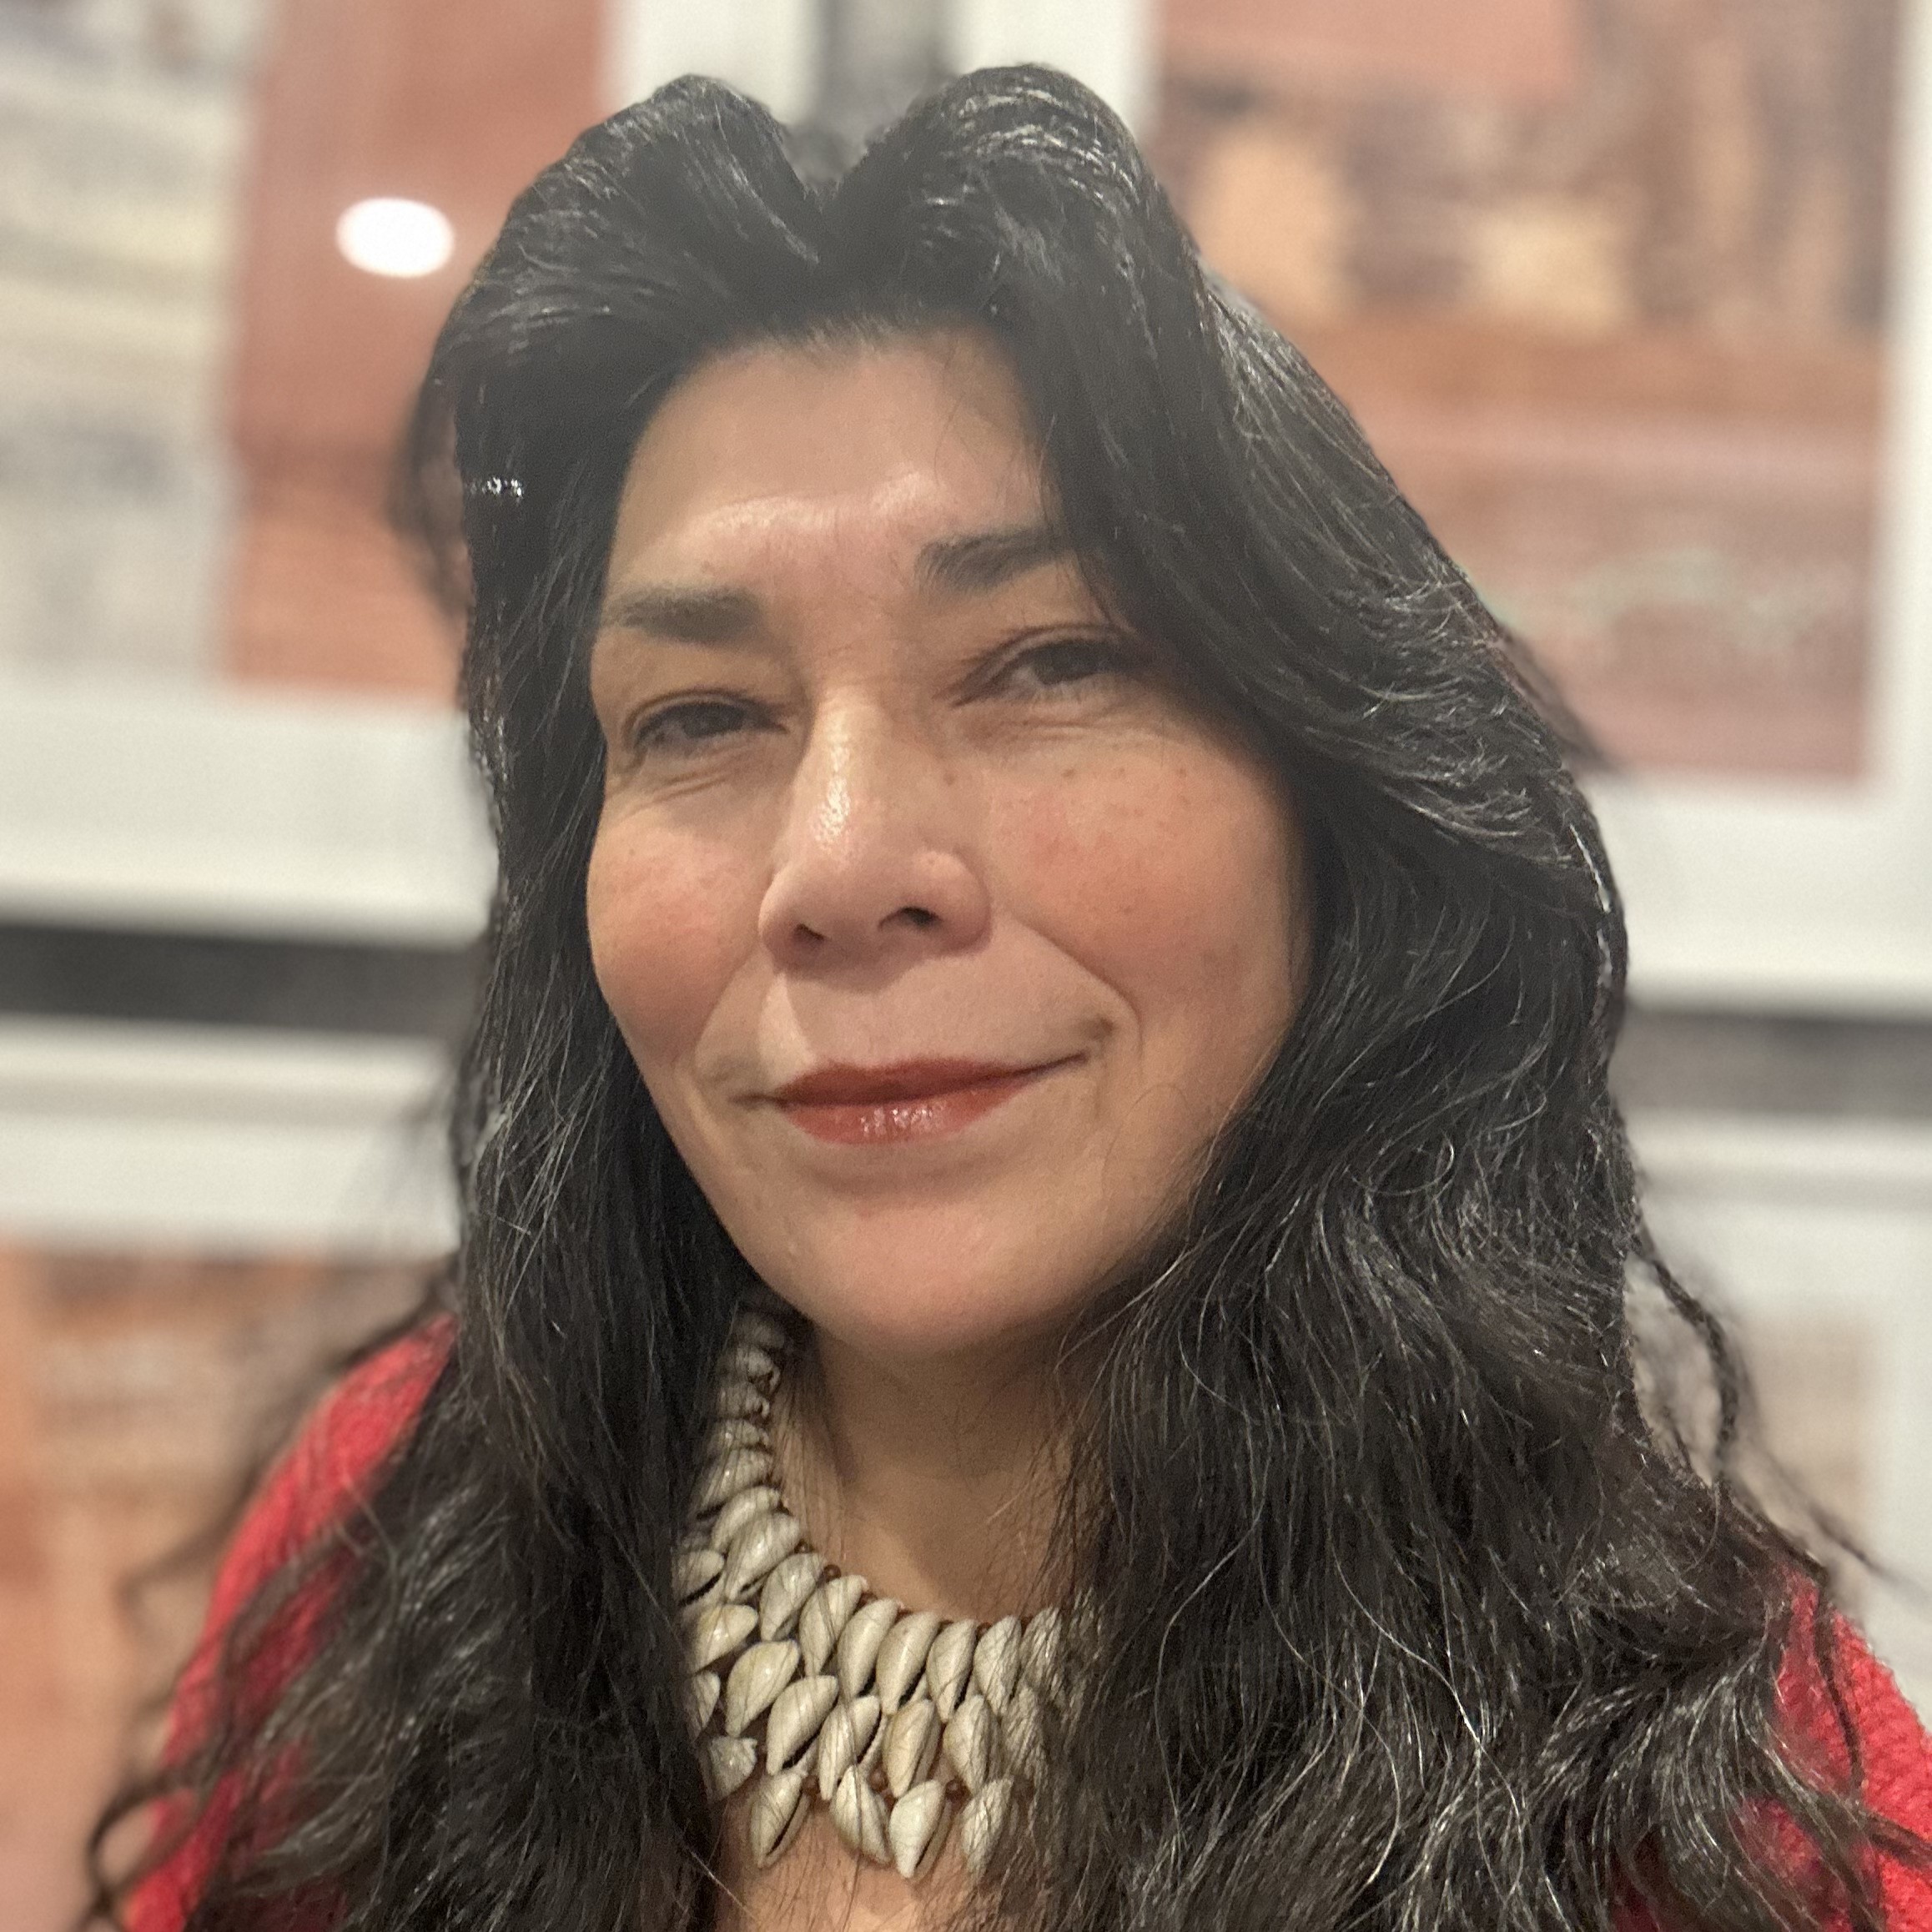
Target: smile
[(917, 1100)]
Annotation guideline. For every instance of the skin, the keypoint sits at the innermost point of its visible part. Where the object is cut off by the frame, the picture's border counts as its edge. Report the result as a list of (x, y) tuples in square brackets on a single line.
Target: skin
[(861, 809)]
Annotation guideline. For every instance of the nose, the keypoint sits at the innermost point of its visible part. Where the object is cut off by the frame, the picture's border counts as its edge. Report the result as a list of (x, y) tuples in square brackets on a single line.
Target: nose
[(871, 867)]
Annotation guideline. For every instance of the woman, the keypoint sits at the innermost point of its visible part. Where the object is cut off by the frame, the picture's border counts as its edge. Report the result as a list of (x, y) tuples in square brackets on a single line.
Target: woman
[(1040, 1331)]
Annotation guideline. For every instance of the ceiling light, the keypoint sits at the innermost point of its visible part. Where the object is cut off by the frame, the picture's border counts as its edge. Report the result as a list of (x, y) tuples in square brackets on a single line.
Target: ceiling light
[(391, 237)]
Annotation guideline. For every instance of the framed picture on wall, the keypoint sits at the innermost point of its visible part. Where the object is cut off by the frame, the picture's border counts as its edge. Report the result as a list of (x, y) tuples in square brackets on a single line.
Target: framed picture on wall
[(1635, 296), (1634, 300)]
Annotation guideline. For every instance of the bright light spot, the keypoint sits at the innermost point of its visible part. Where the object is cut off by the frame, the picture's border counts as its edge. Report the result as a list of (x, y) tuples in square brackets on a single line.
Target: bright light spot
[(391, 237)]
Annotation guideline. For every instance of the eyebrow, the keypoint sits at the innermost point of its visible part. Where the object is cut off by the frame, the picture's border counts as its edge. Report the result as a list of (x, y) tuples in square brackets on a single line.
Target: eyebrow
[(960, 566), (691, 614), (989, 558)]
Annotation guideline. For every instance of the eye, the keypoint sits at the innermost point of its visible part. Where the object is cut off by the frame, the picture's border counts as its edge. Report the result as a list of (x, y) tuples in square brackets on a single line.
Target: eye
[(1063, 663), (689, 726)]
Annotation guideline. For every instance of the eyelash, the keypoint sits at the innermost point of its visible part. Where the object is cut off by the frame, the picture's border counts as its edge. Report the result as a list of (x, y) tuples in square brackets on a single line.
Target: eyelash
[(1115, 657), (658, 731)]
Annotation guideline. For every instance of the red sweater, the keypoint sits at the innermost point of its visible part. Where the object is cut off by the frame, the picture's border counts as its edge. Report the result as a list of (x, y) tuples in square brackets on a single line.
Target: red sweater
[(367, 1414)]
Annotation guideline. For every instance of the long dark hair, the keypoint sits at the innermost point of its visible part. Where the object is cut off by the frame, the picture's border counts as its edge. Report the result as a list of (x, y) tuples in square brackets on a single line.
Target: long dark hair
[(1402, 1612)]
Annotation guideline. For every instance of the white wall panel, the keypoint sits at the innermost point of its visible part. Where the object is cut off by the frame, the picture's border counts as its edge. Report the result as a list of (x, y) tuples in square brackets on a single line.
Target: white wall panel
[(205, 809), (219, 1141), (767, 48)]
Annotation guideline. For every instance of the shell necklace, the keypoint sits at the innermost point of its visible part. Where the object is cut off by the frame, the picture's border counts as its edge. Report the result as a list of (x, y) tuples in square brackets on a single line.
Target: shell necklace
[(896, 1719)]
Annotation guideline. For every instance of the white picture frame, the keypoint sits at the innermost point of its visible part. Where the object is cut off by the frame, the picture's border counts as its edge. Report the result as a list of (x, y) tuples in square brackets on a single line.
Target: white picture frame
[(1816, 896), (178, 802)]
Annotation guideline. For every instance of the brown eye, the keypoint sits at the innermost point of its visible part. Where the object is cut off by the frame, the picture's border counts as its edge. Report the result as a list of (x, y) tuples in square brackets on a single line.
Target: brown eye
[(1068, 662), (690, 726)]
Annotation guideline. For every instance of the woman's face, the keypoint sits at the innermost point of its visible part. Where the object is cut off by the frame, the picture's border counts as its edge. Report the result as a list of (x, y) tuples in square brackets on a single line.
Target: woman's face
[(943, 935)]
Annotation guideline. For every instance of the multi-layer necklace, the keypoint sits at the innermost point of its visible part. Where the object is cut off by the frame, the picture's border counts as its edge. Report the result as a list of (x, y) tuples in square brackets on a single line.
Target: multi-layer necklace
[(810, 1687)]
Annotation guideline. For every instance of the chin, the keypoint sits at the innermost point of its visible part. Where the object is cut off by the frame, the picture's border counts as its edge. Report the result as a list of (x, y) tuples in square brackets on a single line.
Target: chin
[(906, 1300)]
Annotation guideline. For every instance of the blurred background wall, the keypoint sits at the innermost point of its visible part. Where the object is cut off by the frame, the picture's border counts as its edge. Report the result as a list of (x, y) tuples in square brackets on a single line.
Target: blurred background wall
[(1631, 294)]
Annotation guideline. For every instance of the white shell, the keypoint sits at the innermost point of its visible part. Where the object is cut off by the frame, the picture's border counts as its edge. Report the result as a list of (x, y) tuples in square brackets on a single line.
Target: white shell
[(745, 1361), (719, 1481), (779, 1808), (759, 1331), (762, 1544), (983, 1825), (756, 1679), (733, 1399), (859, 1642), (912, 1742), (1042, 1650), (743, 1508), (824, 1615), (842, 1685), (1021, 1731), (797, 1712), (996, 1661), (693, 1571), (903, 1656), (949, 1664), (845, 1739), (970, 1742), (728, 1762), (717, 1630), (917, 1830), (731, 1432), (858, 1812), (701, 1696), (785, 1591)]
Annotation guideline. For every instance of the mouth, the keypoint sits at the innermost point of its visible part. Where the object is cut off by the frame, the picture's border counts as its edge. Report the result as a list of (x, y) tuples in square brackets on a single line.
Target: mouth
[(911, 1100)]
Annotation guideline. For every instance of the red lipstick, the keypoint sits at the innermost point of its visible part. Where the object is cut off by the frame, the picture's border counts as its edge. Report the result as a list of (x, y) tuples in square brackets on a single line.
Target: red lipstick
[(909, 1100)]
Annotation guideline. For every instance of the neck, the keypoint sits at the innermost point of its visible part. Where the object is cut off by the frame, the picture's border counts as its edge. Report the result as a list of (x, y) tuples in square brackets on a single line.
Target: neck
[(937, 1480)]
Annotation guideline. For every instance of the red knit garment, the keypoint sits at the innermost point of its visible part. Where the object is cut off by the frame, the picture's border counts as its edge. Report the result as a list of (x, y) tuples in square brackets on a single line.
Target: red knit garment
[(314, 1487), (332, 1463)]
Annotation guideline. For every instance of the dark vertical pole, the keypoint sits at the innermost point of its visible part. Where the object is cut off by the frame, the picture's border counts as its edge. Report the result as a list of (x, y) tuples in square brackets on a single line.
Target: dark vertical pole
[(876, 57)]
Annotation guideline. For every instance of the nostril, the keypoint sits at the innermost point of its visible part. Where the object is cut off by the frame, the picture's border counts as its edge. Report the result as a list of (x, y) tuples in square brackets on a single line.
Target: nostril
[(918, 916)]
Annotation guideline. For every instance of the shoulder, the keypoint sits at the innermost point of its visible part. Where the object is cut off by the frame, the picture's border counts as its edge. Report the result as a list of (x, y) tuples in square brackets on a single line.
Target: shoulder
[(329, 1470), (333, 1462), (1894, 1753), (1816, 1684), (1845, 1724)]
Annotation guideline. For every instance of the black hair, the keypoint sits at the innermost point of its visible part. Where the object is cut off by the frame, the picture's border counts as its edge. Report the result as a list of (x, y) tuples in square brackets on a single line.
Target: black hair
[(1399, 1610)]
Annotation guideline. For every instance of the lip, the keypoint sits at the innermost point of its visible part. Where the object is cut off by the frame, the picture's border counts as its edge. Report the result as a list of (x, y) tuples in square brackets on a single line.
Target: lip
[(908, 1101)]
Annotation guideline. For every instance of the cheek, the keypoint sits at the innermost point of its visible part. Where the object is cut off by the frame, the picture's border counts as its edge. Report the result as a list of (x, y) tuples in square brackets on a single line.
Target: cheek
[(665, 933), (1176, 880)]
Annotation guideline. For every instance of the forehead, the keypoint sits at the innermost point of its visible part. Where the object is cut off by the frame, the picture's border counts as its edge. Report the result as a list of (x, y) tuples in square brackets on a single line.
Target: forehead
[(779, 448)]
